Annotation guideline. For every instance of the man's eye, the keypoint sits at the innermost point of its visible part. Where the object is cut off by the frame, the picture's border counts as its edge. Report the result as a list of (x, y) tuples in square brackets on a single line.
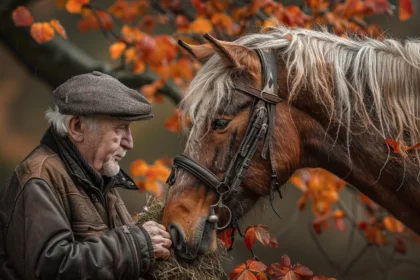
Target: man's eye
[(219, 124)]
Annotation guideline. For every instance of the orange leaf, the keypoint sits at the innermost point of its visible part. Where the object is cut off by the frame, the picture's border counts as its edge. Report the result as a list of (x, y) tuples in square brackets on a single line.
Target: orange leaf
[(116, 49), (201, 26), (182, 23), (237, 271), (131, 35), (374, 235), (396, 146), (22, 16), (60, 4), (128, 11), (139, 67), (255, 266), (288, 37), (173, 123), (139, 168), (222, 20), (42, 32), (393, 225), (59, 28), (262, 276), (413, 147), (302, 201), (154, 187), (90, 21), (254, 7), (406, 9), (130, 55), (75, 6)]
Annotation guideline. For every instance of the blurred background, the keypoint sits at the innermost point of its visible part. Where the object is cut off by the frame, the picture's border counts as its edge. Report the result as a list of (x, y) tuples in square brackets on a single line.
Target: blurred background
[(25, 95)]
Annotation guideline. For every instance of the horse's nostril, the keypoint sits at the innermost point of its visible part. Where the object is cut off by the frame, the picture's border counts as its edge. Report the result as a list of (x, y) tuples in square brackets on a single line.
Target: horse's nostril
[(177, 236)]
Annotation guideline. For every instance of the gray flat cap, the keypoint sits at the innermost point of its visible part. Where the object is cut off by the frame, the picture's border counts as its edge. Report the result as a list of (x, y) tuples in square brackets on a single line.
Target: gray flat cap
[(97, 93)]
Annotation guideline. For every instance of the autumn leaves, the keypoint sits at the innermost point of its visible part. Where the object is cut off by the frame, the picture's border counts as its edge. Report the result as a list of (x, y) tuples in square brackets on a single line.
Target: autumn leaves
[(41, 32)]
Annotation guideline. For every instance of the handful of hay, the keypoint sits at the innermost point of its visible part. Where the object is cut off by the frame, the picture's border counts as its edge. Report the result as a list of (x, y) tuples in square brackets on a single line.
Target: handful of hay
[(205, 267)]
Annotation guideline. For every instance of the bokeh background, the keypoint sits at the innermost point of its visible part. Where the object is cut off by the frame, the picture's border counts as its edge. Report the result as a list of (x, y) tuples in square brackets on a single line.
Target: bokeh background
[(24, 98)]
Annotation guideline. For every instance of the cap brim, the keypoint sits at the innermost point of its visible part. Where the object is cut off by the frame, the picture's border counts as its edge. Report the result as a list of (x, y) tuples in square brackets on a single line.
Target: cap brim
[(136, 117)]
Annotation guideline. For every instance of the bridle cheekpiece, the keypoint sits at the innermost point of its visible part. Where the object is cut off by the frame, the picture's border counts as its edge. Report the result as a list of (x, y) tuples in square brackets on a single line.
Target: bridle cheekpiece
[(260, 128)]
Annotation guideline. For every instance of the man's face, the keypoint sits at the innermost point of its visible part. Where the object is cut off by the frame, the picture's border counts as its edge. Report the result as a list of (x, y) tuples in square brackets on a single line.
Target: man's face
[(107, 143)]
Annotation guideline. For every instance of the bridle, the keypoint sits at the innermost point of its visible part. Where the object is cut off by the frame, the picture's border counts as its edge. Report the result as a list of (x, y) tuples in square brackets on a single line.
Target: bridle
[(260, 128)]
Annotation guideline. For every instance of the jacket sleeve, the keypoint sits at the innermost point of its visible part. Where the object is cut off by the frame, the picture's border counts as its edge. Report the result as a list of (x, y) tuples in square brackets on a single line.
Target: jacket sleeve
[(41, 244)]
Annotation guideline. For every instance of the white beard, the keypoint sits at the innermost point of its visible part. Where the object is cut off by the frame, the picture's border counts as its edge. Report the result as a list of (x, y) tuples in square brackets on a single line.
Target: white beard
[(112, 167)]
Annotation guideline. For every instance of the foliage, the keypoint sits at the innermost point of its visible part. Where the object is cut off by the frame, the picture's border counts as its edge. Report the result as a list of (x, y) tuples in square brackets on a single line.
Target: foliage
[(130, 28)]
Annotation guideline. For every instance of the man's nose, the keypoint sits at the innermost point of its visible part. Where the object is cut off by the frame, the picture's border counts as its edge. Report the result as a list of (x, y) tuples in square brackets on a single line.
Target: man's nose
[(127, 141)]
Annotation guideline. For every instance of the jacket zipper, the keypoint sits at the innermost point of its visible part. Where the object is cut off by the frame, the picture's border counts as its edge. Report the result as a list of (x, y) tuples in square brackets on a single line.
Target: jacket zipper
[(133, 246)]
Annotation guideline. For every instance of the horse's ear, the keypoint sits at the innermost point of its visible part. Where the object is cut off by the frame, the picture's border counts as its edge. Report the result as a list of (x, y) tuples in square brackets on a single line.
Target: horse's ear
[(199, 52), (228, 51)]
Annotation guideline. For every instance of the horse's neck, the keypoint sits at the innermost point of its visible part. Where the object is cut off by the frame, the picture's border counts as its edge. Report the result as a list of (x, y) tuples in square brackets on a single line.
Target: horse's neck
[(368, 165)]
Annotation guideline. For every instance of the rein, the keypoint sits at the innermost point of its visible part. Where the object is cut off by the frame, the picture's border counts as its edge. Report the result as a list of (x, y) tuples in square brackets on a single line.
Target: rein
[(260, 128)]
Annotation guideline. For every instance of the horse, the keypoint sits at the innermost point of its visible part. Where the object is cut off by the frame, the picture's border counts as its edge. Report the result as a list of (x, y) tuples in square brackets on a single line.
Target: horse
[(270, 103)]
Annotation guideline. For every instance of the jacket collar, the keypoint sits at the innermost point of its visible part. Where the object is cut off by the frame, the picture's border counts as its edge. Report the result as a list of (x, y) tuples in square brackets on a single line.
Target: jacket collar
[(79, 168)]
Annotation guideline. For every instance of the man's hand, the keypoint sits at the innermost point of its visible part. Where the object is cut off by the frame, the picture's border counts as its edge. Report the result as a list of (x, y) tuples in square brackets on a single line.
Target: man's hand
[(161, 239)]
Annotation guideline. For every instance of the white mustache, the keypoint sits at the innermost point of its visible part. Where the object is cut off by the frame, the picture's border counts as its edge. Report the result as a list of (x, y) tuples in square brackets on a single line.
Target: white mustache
[(121, 153)]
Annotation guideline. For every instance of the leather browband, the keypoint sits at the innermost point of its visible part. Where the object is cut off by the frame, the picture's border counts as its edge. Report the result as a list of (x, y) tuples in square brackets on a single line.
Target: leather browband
[(267, 97)]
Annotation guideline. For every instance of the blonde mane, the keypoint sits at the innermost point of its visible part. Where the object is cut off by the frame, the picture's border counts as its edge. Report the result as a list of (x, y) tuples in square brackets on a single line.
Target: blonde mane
[(371, 82)]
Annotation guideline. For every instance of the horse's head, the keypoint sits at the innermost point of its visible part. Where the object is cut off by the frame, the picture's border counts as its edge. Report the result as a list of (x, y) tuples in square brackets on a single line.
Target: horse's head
[(221, 118)]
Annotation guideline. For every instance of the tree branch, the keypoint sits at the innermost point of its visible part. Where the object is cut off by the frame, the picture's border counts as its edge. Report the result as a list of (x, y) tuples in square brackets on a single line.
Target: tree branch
[(58, 60)]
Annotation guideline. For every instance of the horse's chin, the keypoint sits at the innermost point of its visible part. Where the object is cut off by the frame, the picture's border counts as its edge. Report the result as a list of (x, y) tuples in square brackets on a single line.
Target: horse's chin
[(204, 242)]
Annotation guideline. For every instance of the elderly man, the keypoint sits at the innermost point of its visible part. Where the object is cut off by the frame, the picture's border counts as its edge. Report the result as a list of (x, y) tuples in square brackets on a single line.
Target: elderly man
[(61, 216)]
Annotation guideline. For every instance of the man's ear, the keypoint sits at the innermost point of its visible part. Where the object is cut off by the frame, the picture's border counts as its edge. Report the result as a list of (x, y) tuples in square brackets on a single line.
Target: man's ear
[(76, 129)]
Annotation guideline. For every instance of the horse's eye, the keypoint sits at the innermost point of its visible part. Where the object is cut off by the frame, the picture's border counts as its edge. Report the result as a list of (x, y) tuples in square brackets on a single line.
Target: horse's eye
[(219, 124)]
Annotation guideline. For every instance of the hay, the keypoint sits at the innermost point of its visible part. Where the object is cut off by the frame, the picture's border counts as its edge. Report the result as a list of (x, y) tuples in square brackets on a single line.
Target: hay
[(205, 267)]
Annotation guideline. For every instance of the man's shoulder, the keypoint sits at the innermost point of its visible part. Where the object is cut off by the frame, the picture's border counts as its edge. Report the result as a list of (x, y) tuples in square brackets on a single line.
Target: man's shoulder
[(41, 163)]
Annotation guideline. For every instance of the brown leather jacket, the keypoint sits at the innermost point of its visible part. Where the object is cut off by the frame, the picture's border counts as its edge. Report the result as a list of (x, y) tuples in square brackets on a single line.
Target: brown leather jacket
[(56, 224)]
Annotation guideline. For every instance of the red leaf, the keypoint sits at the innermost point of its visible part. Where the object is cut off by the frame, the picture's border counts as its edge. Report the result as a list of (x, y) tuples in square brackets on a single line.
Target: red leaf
[(250, 237), (339, 224), (259, 232), (400, 246), (255, 266), (317, 227), (362, 225), (406, 9), (226, 236), (247, 275), (285, 261), (237, 271), (302, 270), (22, 16)]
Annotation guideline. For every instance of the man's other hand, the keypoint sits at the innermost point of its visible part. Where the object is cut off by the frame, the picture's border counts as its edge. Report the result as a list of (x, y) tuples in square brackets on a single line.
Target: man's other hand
[(161, 239)]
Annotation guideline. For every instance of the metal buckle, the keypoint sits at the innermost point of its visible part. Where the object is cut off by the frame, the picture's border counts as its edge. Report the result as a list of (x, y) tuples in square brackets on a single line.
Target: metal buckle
[(214, 219)]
